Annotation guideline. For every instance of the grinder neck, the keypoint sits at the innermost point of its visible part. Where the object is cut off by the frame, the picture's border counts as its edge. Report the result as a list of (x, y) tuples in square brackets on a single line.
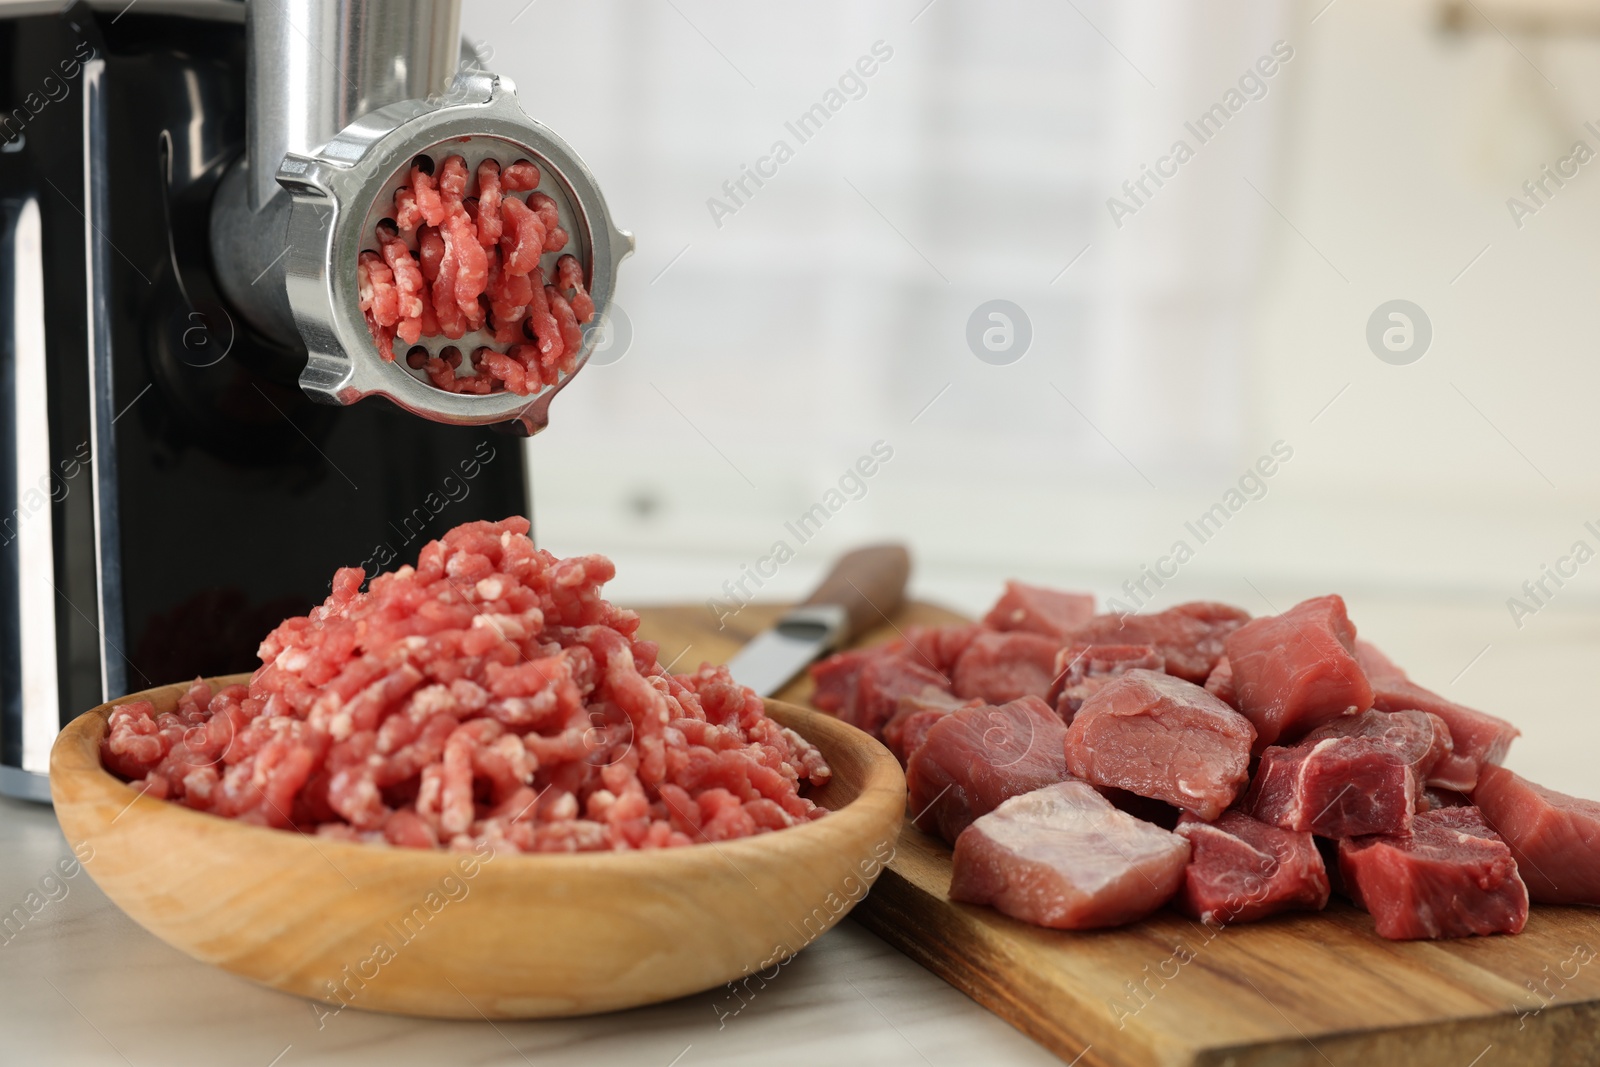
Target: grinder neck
[(318, 65)]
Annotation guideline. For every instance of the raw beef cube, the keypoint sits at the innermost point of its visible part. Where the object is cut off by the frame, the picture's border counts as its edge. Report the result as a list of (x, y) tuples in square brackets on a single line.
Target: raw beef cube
[(1063, 857), (1033, 609), (1190, 637), (1295, 671), (938, 647), (1417, 738), (1451, 876), (1359, 774), (1162, 737), (884, 680), (1219, 683), (1480, 738), (1555, 838), (1081, 670), (1241, 870), (1341, 787), (915, 717), (835, 679), (1211, 612), (971, 760), (905, 733), (923, 658), (997, 668)]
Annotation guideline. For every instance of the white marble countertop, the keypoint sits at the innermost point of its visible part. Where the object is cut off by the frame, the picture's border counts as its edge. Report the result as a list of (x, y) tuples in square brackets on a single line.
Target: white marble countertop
[(81, 983)]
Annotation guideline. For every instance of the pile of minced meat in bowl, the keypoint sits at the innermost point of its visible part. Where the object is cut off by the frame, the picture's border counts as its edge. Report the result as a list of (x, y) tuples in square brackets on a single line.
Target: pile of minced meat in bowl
[(486, 696)]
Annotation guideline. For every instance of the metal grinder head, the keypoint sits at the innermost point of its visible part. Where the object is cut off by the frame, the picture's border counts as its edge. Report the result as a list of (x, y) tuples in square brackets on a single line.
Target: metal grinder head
[(285, 253), (342, 192)]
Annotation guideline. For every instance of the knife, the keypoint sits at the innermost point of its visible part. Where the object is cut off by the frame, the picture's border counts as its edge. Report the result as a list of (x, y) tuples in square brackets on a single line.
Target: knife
[(865, 588)]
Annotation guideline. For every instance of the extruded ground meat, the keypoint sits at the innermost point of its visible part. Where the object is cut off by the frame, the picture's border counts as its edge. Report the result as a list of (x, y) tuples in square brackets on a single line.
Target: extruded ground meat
[(461, 254), (488, 694)]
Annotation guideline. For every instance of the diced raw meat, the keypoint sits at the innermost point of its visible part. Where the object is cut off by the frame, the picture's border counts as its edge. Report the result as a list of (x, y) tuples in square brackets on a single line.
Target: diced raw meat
[(919, 664), (905, 732), (1219, 683), (884, 680), (1341, 788), (1211, 612), (1451, 876), (938, 647), (1063, 857), (1295, 671), (1034, 609), (1554, 837), (974, 759), (835, 679), (1162, 737), (1190, 637), (914, 717), (1241, 870), (1440, 743), (1356, 775), (1001, 667), (1480, 738), (1082, 670)]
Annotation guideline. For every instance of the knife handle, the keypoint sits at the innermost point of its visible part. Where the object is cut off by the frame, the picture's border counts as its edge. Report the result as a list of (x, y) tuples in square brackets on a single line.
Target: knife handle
[(868, 583)]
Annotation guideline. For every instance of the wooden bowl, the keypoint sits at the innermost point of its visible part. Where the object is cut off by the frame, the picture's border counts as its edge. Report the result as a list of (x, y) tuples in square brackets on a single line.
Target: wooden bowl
[(463, 935)]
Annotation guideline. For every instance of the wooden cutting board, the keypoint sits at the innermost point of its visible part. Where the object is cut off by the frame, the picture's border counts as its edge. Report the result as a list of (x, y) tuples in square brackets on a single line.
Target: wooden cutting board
[(1313, 990)]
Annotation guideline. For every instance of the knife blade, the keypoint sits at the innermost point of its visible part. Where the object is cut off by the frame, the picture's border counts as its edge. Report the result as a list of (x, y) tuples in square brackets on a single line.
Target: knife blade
[(866, 587)]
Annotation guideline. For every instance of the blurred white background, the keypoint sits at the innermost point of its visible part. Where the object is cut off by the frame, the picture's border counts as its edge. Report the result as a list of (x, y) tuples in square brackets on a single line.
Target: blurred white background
[(773, 345)]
